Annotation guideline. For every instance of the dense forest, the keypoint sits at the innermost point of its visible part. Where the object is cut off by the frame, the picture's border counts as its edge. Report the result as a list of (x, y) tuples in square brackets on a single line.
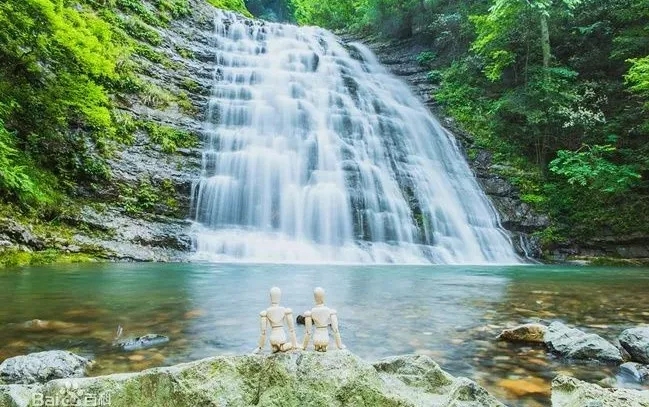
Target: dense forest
[(558, 91)]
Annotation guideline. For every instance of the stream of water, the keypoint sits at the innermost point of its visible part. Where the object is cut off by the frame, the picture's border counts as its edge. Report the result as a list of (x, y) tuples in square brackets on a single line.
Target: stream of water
[(450, 313)]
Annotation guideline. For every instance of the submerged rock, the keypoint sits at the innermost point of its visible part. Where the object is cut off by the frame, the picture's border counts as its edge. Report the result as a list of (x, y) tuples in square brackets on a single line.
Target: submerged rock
[(570, 392), (636, 342), (631, 372), (534, 333), (336, 378), (525, 387), (41, 367), (575, 344), (142, 342)]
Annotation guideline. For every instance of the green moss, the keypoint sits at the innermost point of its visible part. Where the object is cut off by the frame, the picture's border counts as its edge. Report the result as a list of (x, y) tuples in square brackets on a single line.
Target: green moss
[(168, 137), (147, 198), (185, 104), (151, 54), (138, 29), (154, 96), (139, 8), (184, 52), (173, 8), (190, 85), (18, 258)]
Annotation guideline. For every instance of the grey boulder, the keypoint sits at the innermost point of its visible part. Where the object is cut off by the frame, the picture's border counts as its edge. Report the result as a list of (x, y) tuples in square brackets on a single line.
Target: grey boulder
[(41, 367), (636, 342), (575, 344), (570, 392)]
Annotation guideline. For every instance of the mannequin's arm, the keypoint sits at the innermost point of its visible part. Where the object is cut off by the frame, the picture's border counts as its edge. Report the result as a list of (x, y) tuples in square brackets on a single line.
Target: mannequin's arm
[(334, 328)]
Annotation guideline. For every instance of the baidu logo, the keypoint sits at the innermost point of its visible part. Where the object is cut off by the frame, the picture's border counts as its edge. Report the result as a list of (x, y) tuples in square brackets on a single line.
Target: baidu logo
[(71, 395)]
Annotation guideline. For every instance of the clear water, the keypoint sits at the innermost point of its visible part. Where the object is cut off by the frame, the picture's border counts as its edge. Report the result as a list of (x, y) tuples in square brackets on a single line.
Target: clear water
[(316, 154), (448, 312)]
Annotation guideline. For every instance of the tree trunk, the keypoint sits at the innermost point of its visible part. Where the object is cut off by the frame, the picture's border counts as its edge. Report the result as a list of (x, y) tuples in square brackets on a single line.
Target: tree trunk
[(545, 40)]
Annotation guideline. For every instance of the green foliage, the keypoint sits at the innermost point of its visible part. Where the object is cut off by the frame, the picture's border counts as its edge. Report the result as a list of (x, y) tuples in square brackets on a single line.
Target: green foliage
[(184, 52), (173, 8), (272, 10), (138, 29), (140, 9), (57, 67), (590, 168), (14, 178), (169, 138), (154, 96), (435, 76), (151, 54), (149, 198), (425, 58), (190, 85), (234, 5), (638, 77), (185, 104)]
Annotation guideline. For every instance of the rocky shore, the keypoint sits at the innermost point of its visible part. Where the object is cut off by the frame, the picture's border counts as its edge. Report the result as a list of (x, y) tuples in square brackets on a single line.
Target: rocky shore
[(337, 378)]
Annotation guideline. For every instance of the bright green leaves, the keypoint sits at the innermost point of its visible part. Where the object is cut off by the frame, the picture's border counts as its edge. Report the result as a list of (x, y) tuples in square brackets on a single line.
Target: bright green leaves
[(331, 14), (234, 5), (510, 23), (591, 167), (638, 76), (56, 60)]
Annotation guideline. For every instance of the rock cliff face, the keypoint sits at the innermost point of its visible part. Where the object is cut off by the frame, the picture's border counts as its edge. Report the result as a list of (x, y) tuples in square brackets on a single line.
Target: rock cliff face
[(140, 214), (400, 58)]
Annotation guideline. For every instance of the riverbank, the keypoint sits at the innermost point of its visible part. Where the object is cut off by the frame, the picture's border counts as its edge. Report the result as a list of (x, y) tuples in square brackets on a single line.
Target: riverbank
[(334, 378)]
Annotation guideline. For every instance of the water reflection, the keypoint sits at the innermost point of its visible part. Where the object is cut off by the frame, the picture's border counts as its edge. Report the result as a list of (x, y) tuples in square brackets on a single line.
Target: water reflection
[(449, 313)]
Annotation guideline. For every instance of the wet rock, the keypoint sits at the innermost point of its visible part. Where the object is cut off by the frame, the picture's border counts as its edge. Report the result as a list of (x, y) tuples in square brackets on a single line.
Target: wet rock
[(13, 233), (570, 392), (575, 344), (42, 366), (496, 186), (142, 342), (534, 333), (633, 372), (293, 379), (636, 342), (40, 325), (135, 239)]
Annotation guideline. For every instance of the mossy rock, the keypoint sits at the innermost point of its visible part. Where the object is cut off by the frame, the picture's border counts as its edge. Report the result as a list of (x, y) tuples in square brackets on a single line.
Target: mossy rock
[(298, 379)]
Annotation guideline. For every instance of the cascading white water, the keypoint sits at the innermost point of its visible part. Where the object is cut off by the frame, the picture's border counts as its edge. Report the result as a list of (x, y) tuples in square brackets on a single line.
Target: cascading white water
[(315, 155)]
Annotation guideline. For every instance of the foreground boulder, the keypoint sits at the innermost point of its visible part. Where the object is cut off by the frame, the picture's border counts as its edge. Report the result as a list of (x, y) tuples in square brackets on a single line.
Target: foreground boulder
[(570, 392), (42, 367), (636, 342), (575, 344), (301, 379)]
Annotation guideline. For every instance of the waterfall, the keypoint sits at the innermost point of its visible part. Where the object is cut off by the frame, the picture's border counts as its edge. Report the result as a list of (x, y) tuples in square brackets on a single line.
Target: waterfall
[(316, 154)]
